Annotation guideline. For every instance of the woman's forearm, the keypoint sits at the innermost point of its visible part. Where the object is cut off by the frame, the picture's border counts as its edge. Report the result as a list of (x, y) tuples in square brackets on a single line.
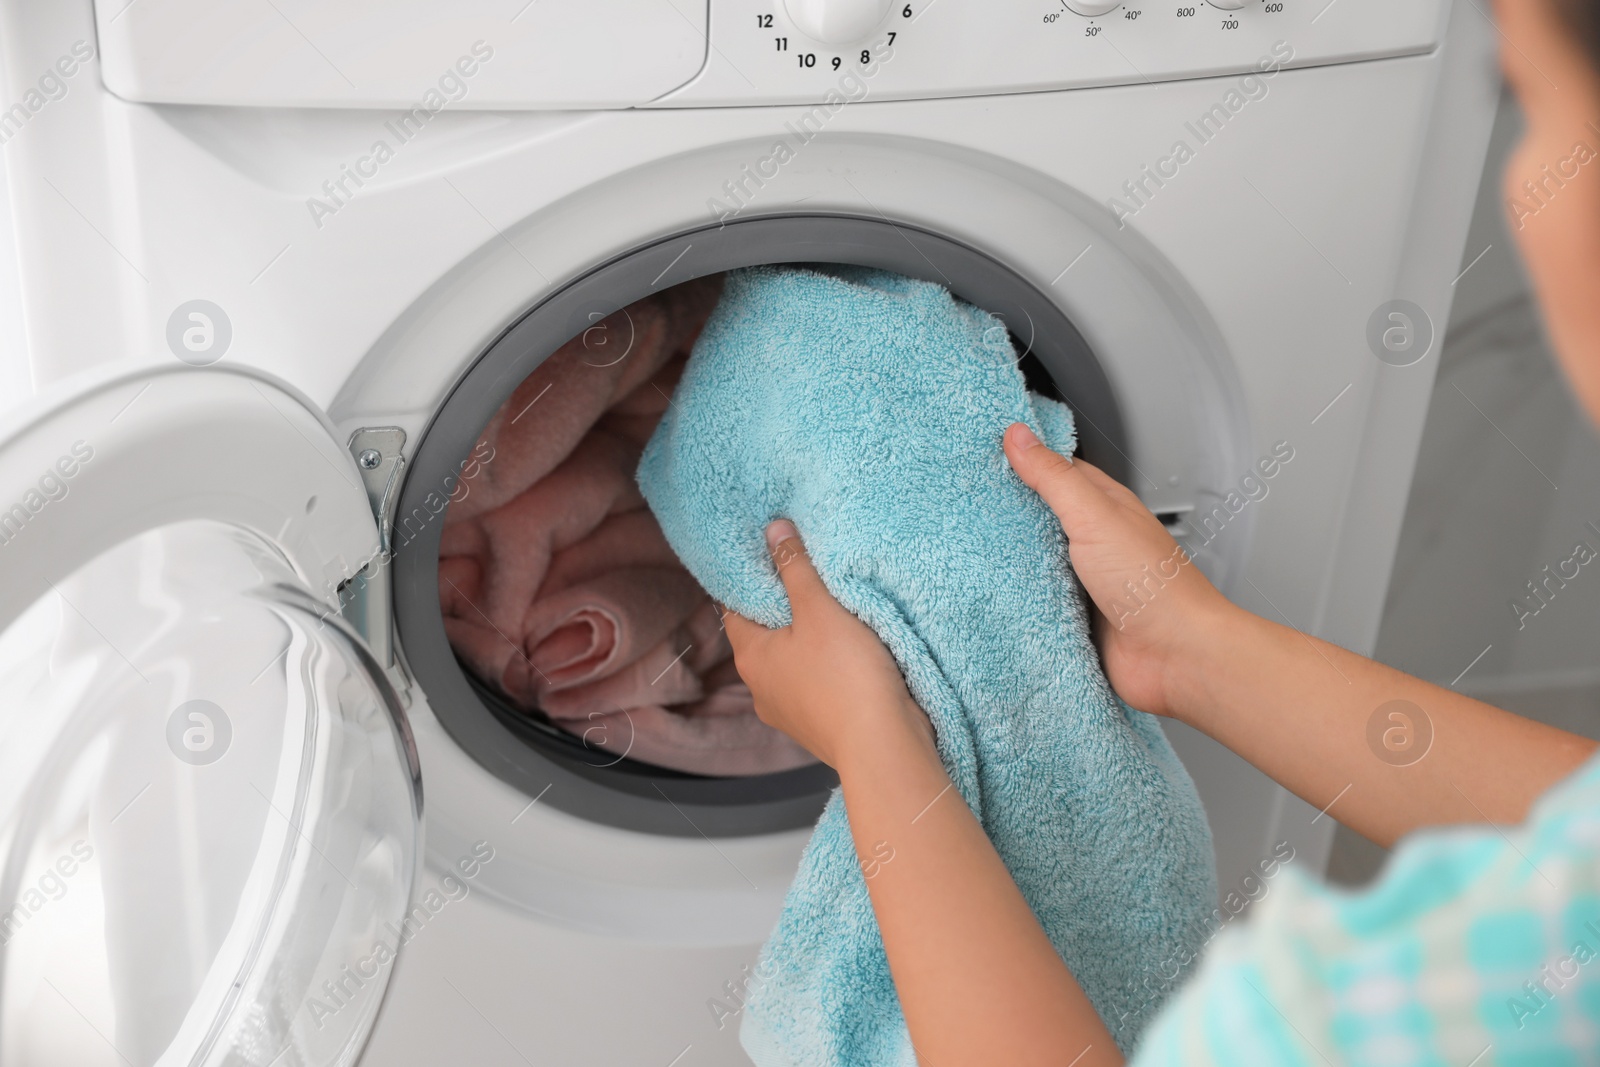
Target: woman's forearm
[(978, 979), (1390, 753), (1384, 752)]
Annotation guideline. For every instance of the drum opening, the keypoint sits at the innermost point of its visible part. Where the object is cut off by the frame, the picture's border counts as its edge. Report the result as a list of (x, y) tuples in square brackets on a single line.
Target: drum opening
[(605, 764)]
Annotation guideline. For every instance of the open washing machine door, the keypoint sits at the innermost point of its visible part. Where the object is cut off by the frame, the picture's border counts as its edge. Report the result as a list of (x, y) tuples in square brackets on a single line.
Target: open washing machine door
[(210, 803)]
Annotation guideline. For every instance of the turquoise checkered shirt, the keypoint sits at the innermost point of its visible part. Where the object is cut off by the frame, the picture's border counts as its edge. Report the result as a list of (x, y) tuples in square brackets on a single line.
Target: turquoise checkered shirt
[(1477, 946)]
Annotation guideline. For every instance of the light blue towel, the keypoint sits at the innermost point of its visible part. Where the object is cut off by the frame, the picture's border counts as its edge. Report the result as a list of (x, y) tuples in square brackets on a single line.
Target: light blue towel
[(869, 409)]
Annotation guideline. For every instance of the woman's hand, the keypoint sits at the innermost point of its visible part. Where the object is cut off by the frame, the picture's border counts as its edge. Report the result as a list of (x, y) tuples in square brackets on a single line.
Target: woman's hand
[(978, 979), (825, 680), (1152, 604)]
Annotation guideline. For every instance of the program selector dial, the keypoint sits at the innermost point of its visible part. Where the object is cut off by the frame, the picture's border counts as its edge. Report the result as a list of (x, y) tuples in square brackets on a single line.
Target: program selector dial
[(836, 22)]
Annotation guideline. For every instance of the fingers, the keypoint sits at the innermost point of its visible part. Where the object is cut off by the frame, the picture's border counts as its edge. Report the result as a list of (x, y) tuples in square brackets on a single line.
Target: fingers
[(751, 643), (743, 634), (800, 578), (1069, 490), (1096, 475), (1109, 485)]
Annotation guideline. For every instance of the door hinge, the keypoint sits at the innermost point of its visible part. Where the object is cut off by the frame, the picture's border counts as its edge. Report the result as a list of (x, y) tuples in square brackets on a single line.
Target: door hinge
[(366, 599)]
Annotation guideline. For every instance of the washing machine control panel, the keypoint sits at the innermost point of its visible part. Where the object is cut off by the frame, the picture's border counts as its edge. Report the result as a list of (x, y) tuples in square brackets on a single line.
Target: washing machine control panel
[(837, 22), (797, 51)]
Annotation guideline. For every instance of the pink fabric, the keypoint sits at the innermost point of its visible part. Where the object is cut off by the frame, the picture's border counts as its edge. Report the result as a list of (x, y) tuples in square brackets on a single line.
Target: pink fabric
[(635, 416), (555, 581), (726, 689), (515, 542), (587, 634), (687, 664), (556, 405), (629, 539), (660, 676)]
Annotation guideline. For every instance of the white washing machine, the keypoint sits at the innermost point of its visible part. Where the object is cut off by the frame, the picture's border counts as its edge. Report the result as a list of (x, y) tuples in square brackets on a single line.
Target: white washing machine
[(267, 270)]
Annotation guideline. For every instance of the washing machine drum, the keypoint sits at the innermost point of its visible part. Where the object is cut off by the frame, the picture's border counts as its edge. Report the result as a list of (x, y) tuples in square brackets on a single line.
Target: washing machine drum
[(560, 593), (556, 634)]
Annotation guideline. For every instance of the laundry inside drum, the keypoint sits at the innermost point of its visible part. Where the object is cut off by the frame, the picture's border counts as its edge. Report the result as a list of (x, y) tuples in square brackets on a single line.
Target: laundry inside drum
[(561, 597)]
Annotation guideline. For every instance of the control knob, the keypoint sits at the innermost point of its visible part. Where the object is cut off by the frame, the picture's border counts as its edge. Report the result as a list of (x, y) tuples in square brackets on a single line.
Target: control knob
[(836, 22), (1091, 8)]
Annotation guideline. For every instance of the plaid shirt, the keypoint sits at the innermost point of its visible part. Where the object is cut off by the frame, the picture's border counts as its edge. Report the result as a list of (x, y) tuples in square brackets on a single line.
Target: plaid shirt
[(1477, 946)]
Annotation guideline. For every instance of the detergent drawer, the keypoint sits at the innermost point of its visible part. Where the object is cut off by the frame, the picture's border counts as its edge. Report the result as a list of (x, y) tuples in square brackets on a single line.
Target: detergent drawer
[(420, 55)]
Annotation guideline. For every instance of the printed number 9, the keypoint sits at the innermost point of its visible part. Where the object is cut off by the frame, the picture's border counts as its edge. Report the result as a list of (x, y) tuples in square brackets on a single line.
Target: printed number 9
[(836, 62)]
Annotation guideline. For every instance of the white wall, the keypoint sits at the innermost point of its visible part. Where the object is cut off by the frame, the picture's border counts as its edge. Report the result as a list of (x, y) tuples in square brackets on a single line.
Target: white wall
[(1502, 489)]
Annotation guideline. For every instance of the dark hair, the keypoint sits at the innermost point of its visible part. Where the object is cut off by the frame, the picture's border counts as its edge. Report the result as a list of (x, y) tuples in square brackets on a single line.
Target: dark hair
[(1583, 19)]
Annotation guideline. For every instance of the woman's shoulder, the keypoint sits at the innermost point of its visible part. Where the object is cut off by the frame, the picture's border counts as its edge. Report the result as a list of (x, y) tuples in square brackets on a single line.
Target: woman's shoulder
[(1473, 936)]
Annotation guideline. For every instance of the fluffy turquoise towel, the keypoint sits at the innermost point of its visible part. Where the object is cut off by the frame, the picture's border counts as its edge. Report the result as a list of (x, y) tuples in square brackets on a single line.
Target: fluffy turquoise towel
[(869, 408)]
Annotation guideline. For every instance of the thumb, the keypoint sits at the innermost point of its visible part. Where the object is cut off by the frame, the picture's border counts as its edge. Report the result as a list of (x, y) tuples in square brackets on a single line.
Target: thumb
[(800, 578), (1063, 484)]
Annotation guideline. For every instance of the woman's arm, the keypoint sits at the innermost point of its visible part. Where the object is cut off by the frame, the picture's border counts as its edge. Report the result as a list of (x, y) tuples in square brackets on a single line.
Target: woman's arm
[(978, 980), (1299, 709)]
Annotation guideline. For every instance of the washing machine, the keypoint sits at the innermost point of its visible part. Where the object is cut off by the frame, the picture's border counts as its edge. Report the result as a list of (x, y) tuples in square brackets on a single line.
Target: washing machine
[(269, 269)]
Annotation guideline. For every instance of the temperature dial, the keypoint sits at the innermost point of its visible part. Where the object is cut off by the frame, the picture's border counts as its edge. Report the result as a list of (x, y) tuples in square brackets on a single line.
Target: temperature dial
[(1091, 8), (836, 22)]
